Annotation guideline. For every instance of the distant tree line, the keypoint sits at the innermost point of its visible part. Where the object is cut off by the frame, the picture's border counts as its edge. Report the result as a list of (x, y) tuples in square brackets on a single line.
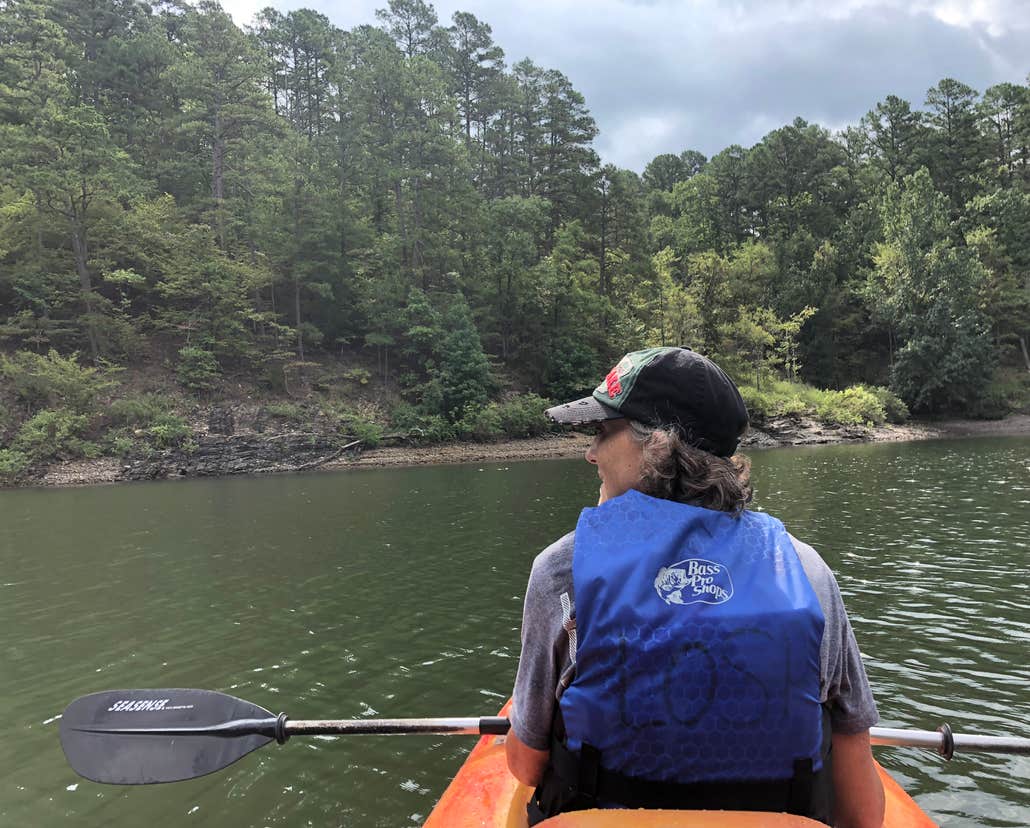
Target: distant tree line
[(178, 189)]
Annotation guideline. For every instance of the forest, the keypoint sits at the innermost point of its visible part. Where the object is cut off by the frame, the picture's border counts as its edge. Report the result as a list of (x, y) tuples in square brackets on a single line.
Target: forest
[(394, 228)]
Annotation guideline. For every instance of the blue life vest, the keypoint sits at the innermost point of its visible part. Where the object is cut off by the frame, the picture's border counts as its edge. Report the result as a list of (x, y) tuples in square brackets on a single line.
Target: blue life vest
[(698, 644)]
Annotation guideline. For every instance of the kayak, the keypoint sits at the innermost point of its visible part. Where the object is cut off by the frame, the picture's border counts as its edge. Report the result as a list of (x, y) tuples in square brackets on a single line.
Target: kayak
[(484, 794)]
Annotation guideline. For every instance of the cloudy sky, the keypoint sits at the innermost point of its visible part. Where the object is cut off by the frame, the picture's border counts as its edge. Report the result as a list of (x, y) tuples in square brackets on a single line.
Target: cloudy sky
[(668, 75)]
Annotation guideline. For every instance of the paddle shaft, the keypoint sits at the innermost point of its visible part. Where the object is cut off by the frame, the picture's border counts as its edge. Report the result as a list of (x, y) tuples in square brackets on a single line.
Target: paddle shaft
[(483, 726), (942, 741), (282, 728), (939, 741), (497, 725)]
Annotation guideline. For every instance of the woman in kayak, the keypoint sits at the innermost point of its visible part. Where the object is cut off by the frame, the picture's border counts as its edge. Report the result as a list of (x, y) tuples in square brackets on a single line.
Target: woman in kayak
[(678, 650)]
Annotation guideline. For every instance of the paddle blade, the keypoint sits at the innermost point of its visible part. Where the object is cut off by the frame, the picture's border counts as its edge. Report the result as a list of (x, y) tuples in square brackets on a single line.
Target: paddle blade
[(96, 751)]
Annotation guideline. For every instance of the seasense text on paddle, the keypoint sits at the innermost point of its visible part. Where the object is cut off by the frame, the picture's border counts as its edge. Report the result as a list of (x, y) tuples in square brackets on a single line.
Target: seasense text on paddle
[(144, 705)]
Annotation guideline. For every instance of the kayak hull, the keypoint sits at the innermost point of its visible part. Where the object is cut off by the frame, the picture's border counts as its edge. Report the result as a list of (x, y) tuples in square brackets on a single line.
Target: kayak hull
[(484, 794)]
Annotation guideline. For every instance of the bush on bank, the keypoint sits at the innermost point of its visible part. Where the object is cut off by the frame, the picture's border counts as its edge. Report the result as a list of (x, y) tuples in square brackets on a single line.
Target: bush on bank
[(518, 416), (12, 465), (53, 381), (138, 411), (54, 434), (857, 405)]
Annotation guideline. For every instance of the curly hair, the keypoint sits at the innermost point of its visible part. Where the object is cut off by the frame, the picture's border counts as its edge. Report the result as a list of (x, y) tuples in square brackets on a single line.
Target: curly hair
[(672, 469)]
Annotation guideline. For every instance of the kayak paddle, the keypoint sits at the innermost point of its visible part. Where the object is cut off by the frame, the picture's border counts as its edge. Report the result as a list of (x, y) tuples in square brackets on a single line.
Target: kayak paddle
[(141, 737)]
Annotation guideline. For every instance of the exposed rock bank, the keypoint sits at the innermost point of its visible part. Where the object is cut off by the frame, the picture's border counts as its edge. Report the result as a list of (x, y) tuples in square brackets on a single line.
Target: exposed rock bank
[(252, 452), (216, 455), (786, 431)]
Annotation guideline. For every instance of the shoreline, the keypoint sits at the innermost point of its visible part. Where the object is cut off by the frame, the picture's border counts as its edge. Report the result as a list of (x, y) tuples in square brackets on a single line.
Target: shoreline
[(779, 433)]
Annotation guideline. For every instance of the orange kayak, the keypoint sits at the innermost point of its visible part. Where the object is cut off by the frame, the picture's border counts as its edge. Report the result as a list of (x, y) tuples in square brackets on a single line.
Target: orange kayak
[(484, 794)]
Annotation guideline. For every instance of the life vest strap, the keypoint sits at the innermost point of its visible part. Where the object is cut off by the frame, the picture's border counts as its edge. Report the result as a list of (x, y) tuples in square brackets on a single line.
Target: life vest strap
[(583, 776)]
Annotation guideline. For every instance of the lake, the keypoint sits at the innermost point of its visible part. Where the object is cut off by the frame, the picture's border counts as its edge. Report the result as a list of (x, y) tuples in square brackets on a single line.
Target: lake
[(398, 592)]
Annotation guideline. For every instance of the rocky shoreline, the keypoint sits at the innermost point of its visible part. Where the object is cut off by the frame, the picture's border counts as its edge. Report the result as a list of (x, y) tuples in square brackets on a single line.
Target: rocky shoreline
[(215, 454)]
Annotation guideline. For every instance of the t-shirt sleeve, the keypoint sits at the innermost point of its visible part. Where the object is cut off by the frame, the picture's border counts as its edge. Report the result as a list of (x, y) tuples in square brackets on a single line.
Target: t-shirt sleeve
[(843, 681), (544, 645)]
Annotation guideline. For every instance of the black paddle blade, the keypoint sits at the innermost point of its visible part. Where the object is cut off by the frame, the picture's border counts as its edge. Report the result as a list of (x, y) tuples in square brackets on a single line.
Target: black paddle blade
[(135, 737)]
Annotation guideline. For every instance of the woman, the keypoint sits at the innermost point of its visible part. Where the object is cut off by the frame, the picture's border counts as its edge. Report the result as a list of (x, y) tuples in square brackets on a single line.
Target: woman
[(677, 649)]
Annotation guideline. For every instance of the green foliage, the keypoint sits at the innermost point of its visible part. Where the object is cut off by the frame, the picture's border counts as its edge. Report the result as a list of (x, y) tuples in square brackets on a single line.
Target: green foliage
[(1014, 385), (463, 372), (993, 404), (12, 464), (1009, 390), (54, 434), (853, 406), (894, 407), (760, 406), (420, 427), (288, 411), (480, 423), (197, 369), (119, 444), (523, 416), (856, 405), (571, 370), (137, 411), (54, 381), (357, 426), (518, 416), (168, 430), (929, 291), (358, 376), (791, 407), (256, 197)]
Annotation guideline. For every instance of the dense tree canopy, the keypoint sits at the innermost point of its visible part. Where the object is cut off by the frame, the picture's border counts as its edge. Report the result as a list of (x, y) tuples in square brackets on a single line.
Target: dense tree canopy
[(175, 188)]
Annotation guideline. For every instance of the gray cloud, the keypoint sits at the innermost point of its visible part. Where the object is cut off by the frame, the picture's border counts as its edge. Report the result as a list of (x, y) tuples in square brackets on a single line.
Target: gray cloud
[(664, 76)]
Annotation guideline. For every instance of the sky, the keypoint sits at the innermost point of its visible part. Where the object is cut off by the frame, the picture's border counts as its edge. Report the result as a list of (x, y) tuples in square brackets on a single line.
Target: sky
[(668, 75)]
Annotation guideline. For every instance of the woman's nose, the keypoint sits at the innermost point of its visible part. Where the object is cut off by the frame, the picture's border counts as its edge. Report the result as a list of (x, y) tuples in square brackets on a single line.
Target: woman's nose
[(591, 455)]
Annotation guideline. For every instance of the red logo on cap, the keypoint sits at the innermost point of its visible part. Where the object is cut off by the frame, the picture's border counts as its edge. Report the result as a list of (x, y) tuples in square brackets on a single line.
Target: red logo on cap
[(612, 381)]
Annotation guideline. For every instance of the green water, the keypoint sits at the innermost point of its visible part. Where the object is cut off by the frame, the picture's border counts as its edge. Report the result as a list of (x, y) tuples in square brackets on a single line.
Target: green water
[(398, 593)]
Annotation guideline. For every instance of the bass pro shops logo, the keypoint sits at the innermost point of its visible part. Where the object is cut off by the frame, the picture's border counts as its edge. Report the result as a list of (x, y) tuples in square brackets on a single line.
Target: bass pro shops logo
[(694, 581)]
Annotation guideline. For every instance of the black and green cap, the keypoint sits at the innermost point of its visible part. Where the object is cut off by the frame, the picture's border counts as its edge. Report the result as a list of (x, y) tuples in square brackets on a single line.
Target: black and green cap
[(667, 387)]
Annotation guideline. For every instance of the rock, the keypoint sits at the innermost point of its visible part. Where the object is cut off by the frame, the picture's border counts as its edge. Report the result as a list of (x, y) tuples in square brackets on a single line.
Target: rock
[(213, 455), (221, 421), (758, 438), (81, 472)]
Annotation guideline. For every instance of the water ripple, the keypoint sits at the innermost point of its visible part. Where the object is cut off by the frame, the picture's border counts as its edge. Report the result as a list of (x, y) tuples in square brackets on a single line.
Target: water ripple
[(935, 581)]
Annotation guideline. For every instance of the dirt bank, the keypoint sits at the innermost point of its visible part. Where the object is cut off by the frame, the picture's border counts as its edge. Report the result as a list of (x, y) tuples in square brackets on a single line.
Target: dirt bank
[(776, 433)]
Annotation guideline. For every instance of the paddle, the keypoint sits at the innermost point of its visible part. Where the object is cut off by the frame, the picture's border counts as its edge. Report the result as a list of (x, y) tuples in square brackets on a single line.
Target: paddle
[(141, 737)]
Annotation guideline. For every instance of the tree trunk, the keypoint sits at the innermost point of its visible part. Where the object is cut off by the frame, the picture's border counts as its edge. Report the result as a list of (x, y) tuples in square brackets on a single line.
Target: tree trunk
[(401, 223), (1026, 356), (86, 286), (296, 276), (218, 179), (296, 309), (418, 265)]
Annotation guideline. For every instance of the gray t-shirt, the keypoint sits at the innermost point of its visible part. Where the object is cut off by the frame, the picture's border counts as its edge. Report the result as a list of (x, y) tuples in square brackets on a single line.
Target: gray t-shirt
[(546, 666)]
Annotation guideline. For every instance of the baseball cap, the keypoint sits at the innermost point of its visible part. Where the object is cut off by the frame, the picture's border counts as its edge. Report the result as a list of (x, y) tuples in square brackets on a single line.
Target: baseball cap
[(667, 387)]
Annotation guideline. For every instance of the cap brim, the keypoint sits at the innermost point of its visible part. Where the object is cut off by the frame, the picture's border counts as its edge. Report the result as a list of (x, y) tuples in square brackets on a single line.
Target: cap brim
[(586, 410)]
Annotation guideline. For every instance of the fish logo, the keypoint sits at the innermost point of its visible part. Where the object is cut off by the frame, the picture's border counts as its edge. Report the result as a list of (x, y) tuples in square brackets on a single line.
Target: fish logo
[(694, 581)]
